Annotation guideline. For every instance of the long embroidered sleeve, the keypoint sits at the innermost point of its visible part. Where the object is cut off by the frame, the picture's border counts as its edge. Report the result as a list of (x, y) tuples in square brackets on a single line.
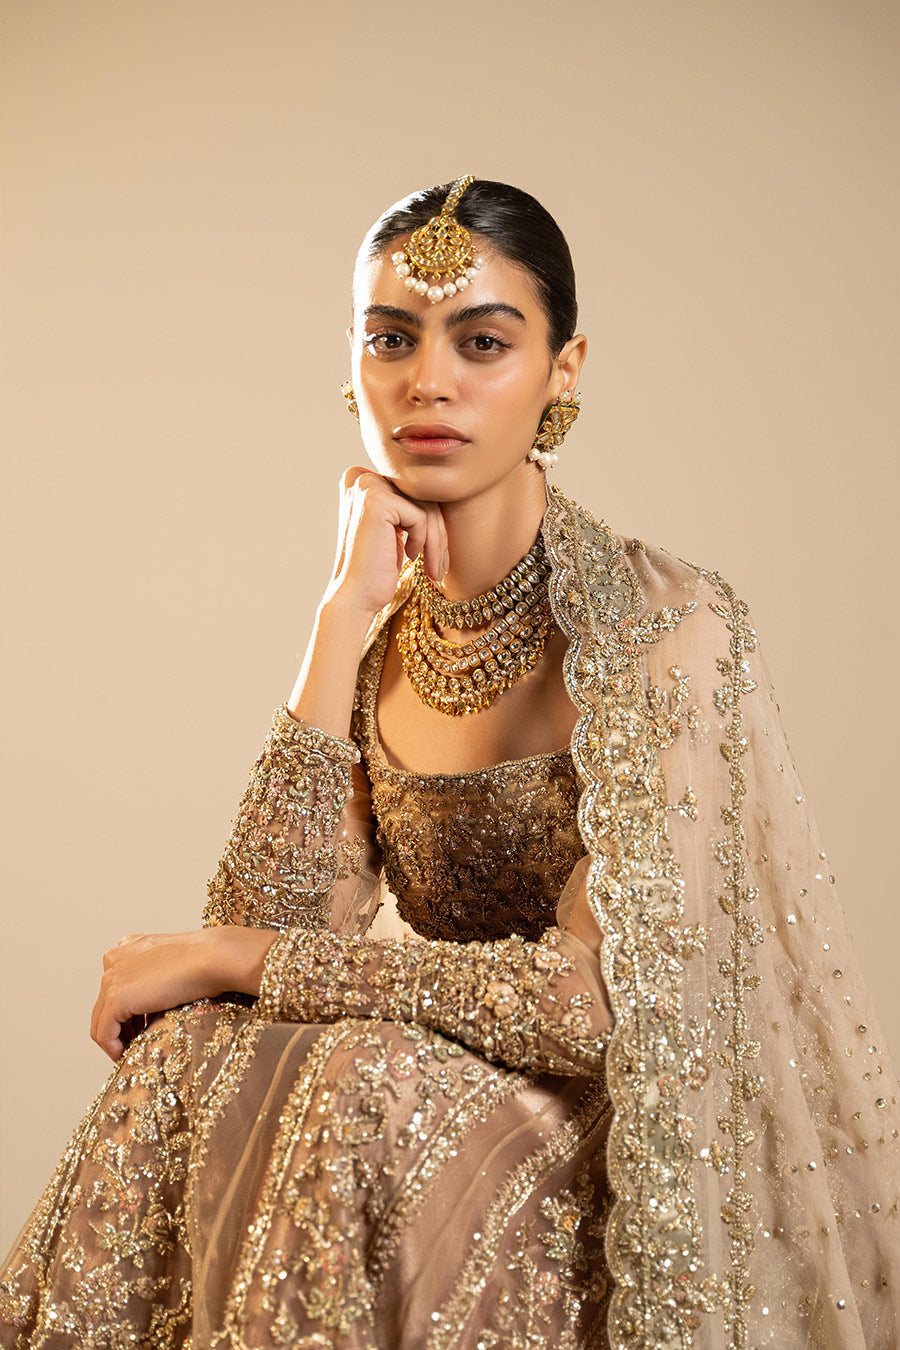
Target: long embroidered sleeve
[(301, 844), (533, 1006)]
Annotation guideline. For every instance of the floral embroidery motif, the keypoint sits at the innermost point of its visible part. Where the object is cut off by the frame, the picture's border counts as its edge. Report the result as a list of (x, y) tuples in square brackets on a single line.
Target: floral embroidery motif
[(655, 1231), (510, 999), (737, 1210), (454, 879), (560, 1285), (283, 857), (125, 1265), (669, 711)]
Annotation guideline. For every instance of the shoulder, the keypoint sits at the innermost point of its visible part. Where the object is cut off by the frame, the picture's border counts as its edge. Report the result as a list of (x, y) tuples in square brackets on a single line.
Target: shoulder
[(659, 578), (665, 578)]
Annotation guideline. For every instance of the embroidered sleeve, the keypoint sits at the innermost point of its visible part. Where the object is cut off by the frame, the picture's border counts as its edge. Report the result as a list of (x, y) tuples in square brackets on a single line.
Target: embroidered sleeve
[(523, 1004), (293, 839)]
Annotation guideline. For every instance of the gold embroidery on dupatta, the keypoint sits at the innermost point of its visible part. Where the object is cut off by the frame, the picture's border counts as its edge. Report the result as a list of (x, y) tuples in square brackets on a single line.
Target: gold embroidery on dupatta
[(654, 1240), (746, 932)]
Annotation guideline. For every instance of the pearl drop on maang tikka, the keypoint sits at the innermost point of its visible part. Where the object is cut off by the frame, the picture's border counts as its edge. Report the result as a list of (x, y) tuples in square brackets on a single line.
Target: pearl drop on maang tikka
[(440, 248), (446, 291)]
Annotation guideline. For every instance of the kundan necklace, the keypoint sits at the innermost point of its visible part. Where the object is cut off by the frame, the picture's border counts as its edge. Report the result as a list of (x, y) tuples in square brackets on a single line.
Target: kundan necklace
[(463, 677)]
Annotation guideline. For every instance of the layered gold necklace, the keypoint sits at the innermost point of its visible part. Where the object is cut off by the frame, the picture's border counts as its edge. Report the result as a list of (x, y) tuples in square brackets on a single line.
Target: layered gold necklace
[(463, 677)]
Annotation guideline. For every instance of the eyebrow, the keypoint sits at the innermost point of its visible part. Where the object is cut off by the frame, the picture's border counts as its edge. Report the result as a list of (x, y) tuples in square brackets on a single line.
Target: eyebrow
[(490, 309)]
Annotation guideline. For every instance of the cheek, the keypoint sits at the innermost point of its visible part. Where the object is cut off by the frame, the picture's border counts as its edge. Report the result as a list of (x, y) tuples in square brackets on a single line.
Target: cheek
[(509, 395), (381, 382)]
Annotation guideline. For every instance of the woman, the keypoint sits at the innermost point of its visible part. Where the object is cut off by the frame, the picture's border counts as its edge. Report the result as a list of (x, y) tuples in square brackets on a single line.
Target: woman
[(523, 1013)]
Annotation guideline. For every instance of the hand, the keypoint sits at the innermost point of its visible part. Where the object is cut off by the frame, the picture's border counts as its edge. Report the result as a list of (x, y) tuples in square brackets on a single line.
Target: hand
[(152, 972), (377, 527)]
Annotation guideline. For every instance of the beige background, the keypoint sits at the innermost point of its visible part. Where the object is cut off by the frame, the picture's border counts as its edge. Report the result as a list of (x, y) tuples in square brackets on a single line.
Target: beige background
[(186, 182)]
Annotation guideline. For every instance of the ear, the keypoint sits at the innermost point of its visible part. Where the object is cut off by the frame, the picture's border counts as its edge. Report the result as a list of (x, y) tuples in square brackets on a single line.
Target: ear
[(350, 336), (567, 366)]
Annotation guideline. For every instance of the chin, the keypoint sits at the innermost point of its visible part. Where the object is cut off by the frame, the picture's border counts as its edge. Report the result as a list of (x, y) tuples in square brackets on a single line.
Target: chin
[(432, 482)]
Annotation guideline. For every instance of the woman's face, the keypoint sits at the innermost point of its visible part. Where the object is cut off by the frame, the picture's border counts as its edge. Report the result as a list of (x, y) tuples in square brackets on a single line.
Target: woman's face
[(450, 395)]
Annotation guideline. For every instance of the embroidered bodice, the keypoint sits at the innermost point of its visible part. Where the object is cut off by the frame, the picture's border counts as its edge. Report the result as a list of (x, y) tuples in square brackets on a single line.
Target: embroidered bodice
[(475, 855)]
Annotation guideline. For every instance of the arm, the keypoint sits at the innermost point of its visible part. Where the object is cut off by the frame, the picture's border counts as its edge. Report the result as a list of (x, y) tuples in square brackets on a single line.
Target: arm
[(538, 1006), (303, 840), (301, 849)]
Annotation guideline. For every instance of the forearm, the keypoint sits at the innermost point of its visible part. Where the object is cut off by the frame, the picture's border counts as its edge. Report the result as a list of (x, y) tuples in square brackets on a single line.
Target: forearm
[(324, 689), (522, 1004), (288, 845)]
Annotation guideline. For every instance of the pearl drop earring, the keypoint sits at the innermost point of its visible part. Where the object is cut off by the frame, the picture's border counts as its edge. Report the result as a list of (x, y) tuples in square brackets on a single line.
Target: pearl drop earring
[(553, 429)]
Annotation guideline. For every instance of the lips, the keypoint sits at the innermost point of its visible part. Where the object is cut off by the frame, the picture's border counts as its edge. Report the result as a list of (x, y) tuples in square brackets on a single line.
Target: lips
[(430, 438)]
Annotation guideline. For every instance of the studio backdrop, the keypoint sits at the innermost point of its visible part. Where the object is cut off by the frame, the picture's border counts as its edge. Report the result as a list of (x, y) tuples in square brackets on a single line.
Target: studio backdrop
[(185, 186)]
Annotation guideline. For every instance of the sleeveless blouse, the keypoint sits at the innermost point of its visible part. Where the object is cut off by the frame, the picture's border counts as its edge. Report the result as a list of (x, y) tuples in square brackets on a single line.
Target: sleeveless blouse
[(475, 855)]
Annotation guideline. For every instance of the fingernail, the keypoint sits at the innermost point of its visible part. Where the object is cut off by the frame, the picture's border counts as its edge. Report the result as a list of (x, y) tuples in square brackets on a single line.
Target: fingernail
[(446, 561)]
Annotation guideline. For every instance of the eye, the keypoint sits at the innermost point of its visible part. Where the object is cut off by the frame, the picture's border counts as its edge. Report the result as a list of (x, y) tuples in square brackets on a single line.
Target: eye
[(485, 344), (385, 342)]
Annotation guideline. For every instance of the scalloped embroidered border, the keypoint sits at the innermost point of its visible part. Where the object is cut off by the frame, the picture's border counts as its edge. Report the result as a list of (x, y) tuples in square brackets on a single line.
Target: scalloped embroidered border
[(654, 1238)]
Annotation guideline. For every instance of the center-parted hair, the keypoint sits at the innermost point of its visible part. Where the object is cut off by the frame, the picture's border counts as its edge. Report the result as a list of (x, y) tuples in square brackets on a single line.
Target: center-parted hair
[(515, 224)]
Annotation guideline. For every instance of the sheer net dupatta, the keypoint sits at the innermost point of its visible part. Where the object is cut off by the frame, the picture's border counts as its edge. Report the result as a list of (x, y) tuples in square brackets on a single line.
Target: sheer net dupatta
[(754, 1148)]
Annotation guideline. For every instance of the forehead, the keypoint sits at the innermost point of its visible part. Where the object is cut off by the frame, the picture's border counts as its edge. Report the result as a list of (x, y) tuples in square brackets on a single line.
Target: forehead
[(499, 281)]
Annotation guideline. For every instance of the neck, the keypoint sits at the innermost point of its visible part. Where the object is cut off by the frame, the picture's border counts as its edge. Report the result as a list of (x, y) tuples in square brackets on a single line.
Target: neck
[(488, 534)]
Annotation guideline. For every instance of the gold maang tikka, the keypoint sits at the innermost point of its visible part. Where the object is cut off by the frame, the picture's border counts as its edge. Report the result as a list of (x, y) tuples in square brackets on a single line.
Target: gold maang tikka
[(442, 248)]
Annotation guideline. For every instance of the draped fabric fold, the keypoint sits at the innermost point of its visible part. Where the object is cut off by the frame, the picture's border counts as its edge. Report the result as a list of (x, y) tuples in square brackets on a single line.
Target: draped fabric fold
[(682, 1132), (754, 1148)]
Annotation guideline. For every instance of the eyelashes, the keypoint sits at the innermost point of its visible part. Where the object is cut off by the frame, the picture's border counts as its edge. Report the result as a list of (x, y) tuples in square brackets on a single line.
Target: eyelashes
[(374, 340), (391, 343), (499, 344)]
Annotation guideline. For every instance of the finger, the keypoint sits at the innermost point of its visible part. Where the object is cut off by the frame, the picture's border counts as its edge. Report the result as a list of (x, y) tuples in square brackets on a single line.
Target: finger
[(111, 1020), (346, 484), (114, 954), (416, 527), (351, 475), (445, 542), (346, 499), (426, 532), (434, 547), (96, 1016)]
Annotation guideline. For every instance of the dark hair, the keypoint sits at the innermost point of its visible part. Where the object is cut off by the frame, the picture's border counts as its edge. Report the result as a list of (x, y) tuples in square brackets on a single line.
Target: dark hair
[(517, 226)]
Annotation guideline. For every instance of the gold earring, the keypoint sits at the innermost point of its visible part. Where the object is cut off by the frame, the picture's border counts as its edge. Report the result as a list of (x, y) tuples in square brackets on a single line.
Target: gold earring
[(347, 391), (553, 429)]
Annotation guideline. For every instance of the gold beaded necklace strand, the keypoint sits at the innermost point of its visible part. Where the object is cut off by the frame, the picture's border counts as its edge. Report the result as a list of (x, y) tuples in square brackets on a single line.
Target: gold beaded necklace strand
[(458, 678)]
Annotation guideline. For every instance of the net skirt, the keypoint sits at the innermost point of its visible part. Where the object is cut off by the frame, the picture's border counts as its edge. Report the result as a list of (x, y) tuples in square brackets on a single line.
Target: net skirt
[(243, 1184)]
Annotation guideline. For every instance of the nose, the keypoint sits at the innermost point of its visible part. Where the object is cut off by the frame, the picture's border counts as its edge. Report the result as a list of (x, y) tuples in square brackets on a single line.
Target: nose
[(432, 378)]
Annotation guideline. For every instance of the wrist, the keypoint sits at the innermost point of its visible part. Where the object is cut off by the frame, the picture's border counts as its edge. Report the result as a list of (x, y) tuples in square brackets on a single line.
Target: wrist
[(239, 956), (345, 611)]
